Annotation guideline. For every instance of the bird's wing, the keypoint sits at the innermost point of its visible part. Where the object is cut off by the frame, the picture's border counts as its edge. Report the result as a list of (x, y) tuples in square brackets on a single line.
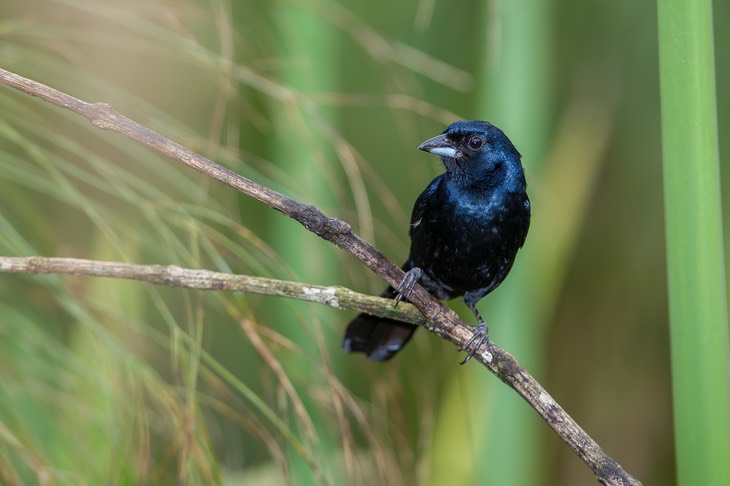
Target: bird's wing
[(527, 226), (419, 207)]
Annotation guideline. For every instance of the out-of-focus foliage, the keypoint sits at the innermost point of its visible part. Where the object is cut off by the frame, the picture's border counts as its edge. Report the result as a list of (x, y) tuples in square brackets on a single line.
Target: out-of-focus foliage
[(117, 382), (700, 344)]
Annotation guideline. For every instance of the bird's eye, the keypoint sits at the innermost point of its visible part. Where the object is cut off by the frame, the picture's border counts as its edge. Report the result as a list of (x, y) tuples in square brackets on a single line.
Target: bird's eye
[(475, 142)]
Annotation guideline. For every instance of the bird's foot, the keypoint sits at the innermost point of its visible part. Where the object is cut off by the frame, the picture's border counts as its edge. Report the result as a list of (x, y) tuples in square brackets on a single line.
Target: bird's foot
[(480, 337), (410, 279)]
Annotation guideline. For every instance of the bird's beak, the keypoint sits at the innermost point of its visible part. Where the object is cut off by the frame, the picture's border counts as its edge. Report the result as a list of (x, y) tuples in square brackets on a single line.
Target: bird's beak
[(439, 145)]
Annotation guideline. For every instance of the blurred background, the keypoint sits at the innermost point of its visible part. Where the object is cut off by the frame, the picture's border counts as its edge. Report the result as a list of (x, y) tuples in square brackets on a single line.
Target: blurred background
[(112, 382)]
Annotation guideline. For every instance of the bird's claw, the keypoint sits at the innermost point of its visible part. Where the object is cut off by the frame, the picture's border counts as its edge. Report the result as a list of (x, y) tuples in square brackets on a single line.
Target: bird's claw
[(410, 279), (480, 337)]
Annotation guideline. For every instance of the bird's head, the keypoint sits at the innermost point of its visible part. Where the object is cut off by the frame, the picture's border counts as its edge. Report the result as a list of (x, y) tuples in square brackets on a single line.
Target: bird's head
[(476, 153)]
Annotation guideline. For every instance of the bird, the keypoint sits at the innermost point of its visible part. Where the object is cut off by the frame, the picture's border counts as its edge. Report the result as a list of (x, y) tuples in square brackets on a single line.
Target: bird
[(466, 229)]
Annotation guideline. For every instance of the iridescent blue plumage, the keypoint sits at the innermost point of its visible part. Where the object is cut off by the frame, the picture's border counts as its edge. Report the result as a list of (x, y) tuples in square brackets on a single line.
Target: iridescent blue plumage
[(466, 228)]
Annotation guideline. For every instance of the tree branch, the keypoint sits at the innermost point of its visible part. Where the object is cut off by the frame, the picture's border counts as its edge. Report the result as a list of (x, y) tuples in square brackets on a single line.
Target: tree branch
[(440, 319), (187, 278)]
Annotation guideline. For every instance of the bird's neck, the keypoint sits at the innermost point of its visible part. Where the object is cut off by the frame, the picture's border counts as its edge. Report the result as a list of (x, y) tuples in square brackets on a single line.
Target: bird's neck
[(503, 178)]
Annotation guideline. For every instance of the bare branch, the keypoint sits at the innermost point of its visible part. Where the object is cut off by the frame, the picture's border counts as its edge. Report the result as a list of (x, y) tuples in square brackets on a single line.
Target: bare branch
[(440, 319), (187, 278)]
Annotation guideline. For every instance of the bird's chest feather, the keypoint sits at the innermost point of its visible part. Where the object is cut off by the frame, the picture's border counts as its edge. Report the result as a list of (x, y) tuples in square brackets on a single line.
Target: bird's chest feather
[(467, 242)]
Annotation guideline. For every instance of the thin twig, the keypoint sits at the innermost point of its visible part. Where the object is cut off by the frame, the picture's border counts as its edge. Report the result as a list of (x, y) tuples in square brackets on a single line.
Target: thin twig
[(187, 278), (440, 319)]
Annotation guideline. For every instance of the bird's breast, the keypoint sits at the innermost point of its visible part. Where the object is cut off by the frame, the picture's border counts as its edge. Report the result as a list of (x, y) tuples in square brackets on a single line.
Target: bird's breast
[(465, 244)]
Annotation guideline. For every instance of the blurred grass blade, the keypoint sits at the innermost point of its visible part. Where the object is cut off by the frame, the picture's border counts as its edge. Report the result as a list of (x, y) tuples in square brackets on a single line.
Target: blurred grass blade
[(516, 69), (514, 66), (307, 44), (695, 263)]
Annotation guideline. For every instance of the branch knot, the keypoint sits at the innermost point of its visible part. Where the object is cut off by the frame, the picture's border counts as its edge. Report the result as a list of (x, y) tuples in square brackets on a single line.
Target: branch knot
[(318, 223)]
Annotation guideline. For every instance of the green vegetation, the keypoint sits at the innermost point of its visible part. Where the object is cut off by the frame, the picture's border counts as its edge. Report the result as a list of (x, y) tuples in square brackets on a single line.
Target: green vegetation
[(109, 382), (695, 253)]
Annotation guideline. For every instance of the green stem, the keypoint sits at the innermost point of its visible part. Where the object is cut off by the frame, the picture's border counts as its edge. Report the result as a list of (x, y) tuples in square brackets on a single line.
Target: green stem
[(695, 260)]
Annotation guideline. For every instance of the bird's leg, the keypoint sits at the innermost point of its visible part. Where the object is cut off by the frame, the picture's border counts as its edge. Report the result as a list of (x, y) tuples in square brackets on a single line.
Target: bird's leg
[(405, 287), (481, 333)]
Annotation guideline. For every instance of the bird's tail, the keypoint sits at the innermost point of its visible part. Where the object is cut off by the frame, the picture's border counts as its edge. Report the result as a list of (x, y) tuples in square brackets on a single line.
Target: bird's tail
[(379, 338)]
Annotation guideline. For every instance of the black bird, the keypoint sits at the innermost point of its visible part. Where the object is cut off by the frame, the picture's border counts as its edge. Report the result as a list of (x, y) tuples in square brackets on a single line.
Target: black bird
[(466, 228)]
